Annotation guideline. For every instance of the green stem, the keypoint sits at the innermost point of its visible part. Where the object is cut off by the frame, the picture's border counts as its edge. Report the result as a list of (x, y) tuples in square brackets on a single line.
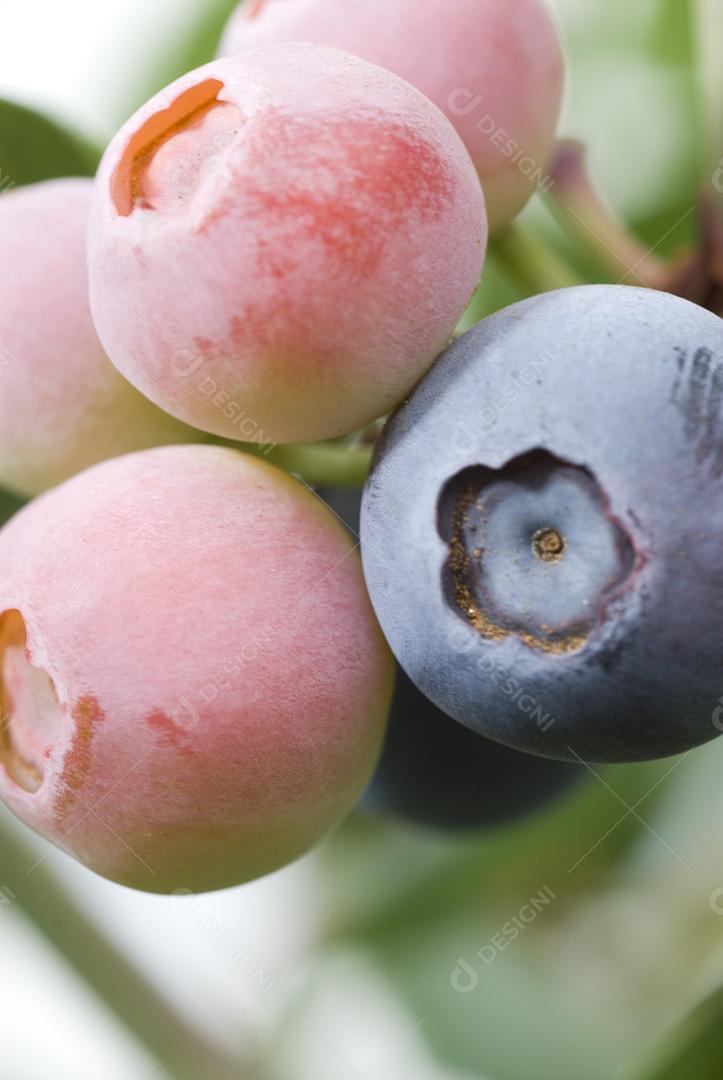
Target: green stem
[(691, 1048), (184, 1053), (322, 464), (326, 463), (536, 265), (586, 217)]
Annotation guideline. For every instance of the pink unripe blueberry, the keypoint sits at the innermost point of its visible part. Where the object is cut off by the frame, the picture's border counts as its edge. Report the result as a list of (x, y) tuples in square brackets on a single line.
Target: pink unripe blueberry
[(63, 405), (194, 686), (282, 243), (495, 67)]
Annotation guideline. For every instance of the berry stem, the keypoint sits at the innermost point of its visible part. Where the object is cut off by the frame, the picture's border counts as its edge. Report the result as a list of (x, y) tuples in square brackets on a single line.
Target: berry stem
[(584, 214), (533, 262), (183, 1052), (325, 463)]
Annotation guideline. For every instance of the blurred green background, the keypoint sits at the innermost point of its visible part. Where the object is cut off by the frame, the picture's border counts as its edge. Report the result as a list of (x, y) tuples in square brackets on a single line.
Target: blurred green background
[(390, 952)]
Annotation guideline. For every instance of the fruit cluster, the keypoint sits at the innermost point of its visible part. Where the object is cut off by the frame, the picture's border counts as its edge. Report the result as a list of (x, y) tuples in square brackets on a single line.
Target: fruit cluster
[(277, 249)]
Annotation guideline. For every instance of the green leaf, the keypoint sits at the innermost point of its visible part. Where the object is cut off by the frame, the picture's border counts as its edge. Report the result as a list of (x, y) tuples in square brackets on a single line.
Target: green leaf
[(9, 505), (34, 147), (195, 46), (383, 875), (693, 1049), (641, 53), (671, 38)]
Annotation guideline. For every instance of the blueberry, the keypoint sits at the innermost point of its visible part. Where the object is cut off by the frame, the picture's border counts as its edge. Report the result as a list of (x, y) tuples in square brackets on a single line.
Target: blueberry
[(541, 530), (435, 772)]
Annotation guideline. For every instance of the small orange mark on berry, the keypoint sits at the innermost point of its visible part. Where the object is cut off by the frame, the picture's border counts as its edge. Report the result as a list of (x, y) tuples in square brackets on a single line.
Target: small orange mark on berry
[(86, 715), (171, 736), (190, 106)]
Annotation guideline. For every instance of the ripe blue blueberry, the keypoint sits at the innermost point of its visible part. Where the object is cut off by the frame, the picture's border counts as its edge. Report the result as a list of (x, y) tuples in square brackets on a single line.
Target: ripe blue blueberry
[(541, 530), (437, 773)]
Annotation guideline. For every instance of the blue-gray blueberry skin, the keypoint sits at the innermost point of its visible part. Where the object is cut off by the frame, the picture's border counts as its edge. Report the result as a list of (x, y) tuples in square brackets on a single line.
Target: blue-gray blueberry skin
[(542, 529), (437, 773), (440, 774)]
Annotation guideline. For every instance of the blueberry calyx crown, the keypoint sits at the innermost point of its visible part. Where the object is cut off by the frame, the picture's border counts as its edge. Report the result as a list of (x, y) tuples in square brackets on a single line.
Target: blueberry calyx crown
[(533, 551)]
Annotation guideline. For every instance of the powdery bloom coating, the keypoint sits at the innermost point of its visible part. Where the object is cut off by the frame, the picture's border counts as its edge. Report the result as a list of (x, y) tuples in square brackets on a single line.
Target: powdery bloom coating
[(282, 243), (194, 687), (63, 406), (495, 67)]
